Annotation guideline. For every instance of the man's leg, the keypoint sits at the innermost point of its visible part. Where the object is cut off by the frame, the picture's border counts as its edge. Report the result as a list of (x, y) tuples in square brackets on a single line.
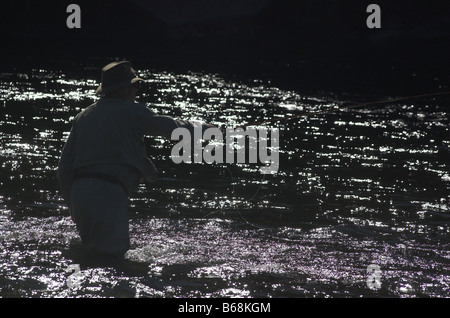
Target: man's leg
[(101, 213)]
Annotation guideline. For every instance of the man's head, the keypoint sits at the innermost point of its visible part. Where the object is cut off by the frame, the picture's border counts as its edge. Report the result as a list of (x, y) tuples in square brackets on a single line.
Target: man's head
[(126, 92), (119, 80)]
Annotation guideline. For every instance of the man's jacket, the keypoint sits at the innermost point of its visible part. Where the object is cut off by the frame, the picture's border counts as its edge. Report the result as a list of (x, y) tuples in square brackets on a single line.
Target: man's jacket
[(109, 133)]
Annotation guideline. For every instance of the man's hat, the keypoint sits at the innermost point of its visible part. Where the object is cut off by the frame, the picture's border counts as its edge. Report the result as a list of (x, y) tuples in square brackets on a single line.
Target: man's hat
[(116, 75)]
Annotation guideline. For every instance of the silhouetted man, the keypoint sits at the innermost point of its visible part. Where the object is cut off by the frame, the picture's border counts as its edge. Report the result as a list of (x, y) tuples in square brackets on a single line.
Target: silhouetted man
[(103, 159)]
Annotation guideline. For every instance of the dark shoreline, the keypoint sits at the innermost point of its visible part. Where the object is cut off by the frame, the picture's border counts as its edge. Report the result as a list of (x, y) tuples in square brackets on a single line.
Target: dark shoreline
[(306, 46), (390, 77)]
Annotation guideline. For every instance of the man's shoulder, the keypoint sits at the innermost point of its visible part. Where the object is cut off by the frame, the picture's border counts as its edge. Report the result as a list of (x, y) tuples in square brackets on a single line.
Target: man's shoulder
[(85, 110), (111, 103), (105, 105), (140, 109)]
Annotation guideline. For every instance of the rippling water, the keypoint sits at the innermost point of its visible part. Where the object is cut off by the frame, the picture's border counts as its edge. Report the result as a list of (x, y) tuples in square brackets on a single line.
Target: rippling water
[(355, 188)]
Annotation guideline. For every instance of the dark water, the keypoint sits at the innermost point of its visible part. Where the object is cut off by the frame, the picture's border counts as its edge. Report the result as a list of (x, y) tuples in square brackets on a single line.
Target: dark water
[(355, 188)]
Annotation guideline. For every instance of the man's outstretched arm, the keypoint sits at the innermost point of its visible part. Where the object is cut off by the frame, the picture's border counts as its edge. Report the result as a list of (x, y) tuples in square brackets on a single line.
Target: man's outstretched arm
[(149, 123)]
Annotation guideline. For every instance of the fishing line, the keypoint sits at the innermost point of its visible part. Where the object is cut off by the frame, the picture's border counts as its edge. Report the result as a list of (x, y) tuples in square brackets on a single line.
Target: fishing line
[(359, 105), (236, 206), (303, 114)]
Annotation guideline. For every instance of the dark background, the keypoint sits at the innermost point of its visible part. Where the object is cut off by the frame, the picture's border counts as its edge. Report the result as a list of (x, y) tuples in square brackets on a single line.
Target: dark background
[(304, 44)]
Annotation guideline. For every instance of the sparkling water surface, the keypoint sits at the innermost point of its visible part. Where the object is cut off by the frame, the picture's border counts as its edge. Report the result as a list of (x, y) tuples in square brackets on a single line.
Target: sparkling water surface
[(355, 188)]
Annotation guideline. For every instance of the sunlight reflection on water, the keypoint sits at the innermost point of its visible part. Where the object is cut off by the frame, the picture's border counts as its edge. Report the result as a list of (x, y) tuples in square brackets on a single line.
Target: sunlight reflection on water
[(354, 188)]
